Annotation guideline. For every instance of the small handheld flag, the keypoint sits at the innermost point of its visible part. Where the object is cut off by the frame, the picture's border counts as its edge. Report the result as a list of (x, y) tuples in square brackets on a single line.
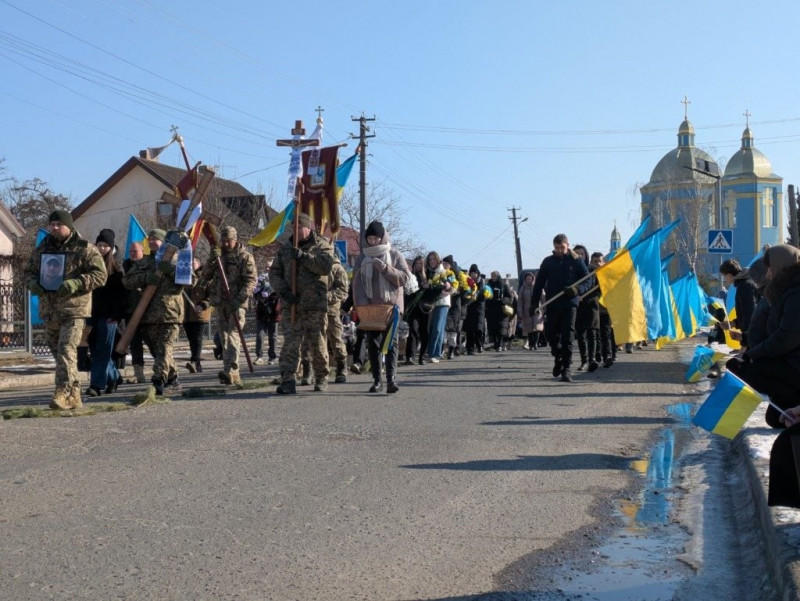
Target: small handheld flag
[(727, 408), (702, 362)]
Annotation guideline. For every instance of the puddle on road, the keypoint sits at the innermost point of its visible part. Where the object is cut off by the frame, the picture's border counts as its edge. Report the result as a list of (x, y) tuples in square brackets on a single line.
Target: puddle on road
[(638, 562)]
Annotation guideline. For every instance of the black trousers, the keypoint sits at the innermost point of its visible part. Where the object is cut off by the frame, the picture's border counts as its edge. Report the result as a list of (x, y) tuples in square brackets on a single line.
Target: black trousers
[(417, 334), (559, 326), (606, 349), (374, 343), (776, 378), (194, 334), (784, 489), (587, 343)]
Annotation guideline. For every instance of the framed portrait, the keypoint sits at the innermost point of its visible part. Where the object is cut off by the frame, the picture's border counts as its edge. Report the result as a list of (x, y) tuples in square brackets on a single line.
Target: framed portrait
[(51, 270)]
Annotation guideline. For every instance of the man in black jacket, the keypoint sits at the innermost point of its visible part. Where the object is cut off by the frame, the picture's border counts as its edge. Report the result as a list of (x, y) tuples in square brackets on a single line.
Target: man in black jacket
[(561, 276)]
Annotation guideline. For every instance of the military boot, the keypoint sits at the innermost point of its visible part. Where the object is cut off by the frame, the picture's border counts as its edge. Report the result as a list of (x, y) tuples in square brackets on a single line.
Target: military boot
[(321, 385), (341, 373), (305, 379), (191, 368), (158, 384), (60, 399), (138, 372), (198, 366), (287, 387), (224, 377), (74, 398), (236, 379)]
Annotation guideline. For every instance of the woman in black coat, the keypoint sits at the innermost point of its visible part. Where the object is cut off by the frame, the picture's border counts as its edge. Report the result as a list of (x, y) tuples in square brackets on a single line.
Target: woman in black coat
[(772, 365), (587, 318), (416, 317), (496, 317), (109, 303), (475, 320)]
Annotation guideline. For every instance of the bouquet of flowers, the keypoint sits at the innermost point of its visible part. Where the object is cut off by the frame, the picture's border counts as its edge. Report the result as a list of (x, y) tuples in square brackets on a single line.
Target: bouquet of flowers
[(467, 287), (262, 286), (439, 280), (487, 292)]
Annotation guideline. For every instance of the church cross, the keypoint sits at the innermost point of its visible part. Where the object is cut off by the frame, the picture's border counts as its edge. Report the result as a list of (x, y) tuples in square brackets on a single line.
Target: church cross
[(686, 102), (747, 114), (296, 142)]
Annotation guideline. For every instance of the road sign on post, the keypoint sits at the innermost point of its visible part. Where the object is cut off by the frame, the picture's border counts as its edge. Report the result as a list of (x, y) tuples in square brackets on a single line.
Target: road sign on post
[(720, 241)]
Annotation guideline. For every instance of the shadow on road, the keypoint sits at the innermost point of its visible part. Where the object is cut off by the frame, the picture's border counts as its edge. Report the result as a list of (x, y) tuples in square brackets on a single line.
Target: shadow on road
[(545, 463)]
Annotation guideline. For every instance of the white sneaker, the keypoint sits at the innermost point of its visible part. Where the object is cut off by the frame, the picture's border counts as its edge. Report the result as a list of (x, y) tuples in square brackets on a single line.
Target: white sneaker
[(272, 362), (434, 360), (259, 361)]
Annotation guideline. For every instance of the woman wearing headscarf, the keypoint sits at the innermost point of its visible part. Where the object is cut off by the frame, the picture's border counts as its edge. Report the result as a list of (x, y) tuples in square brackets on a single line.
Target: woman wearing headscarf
[(380, 274), (109, 303), (771, 364)]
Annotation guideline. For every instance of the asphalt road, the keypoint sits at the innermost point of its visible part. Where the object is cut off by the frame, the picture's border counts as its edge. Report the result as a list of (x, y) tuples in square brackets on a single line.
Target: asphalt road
[(470, 480)]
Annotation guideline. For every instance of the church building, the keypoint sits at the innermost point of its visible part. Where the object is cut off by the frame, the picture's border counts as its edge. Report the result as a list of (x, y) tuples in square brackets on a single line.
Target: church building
[(687, 184)]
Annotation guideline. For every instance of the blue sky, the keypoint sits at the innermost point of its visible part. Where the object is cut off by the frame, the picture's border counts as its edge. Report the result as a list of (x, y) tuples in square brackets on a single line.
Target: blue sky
[(559, 109)]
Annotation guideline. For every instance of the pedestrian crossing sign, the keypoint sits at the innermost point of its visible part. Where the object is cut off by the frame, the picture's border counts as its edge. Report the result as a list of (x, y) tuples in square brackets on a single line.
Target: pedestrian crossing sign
[(720, 241)]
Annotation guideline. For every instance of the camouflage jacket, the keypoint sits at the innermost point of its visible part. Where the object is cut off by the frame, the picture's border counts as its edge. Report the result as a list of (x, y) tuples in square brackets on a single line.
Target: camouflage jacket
[(82, 261), (240, 271), (338, 287), (313, 272), (167, 303)]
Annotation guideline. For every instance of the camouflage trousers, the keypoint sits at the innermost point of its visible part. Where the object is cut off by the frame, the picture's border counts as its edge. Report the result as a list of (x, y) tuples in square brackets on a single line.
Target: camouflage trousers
[(334, 335), (308, 327), (229, 336), (63, 336), (160, 338)]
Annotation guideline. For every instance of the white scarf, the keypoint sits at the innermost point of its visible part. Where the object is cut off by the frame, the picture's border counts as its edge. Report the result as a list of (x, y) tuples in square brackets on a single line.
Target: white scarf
[(379, 251)]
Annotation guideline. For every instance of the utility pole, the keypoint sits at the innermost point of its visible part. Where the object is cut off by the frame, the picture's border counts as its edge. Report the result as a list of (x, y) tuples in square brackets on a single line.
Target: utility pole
[(516, 237), (362, 164), (793, 236)]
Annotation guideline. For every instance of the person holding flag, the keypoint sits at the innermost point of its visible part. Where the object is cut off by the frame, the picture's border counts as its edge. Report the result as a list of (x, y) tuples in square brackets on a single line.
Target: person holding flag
[(771, 364), (563, 277)]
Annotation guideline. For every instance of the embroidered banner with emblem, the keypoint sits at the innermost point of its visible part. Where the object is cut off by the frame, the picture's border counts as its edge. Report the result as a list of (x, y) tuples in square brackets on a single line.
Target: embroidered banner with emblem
[(320, 187)]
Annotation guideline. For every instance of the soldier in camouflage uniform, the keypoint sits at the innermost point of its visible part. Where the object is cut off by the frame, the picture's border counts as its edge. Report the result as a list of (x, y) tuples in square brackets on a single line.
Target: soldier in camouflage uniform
[(314, 257), (337, 293), (338, 287), (240, 271), (64, 310), (161, 321)]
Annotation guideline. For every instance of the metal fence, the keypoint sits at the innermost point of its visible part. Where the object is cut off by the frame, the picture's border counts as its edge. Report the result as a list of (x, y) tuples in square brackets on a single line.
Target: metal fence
[(19, 333)]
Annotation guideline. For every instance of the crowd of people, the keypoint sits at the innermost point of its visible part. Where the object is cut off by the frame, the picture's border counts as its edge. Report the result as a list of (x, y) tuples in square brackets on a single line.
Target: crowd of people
[(311, 316)]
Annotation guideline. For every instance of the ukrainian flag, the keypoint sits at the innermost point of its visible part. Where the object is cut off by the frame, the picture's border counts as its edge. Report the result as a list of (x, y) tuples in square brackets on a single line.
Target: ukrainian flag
[(727, 407), (136, 233), (632, 289), (704, 359)]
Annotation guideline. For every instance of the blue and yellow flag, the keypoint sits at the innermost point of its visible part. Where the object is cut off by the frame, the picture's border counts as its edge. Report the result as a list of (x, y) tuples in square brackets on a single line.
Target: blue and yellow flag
[(632, 288), (136, 233), (727, 408), (275, 227), (343, 174), (704, 359)]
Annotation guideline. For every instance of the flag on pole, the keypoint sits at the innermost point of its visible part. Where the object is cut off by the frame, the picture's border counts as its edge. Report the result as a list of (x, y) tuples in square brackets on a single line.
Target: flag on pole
[(727, 408), (635, 238), (343, 174), (632, 287), (703, 360), (136, 233)]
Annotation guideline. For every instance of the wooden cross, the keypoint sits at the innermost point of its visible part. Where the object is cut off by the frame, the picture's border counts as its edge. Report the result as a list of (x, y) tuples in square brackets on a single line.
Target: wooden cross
[(686, 102), (296, 142)]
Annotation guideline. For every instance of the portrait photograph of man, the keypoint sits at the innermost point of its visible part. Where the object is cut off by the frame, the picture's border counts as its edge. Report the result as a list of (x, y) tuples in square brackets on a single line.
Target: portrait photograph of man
[(51, 273)]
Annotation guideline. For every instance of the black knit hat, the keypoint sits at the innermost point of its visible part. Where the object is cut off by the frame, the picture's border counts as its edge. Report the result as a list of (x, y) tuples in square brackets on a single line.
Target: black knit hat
[(448, 259), (375, 229), (64, 217), (106, 236), (474, 268)]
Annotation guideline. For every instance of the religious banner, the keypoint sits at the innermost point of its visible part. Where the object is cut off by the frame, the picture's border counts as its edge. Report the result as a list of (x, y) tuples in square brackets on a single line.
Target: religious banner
[(320, 188)]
